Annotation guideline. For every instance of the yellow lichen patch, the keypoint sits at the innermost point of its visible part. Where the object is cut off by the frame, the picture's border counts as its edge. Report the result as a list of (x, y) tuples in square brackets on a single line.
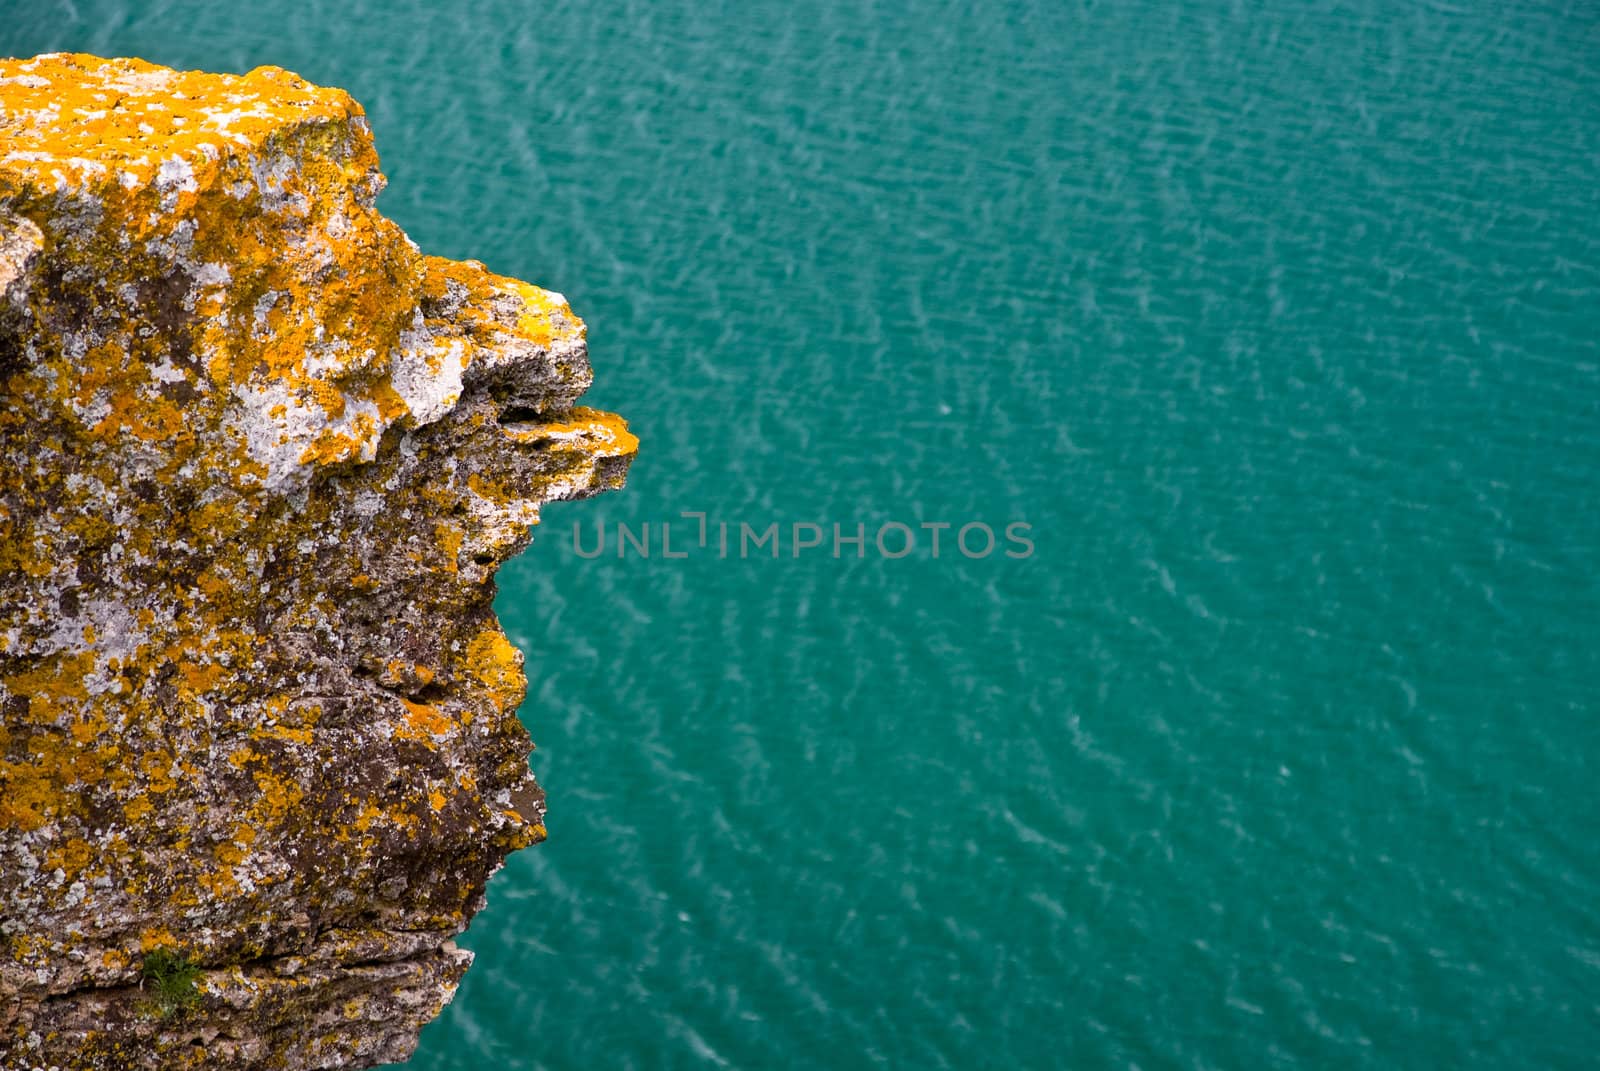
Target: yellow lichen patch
[(330, 397), (399, 673), (154, 937), (71, 857), (199, 679), (588, 429), (285, 732), (157, 766), (422, 721), (332, 445), (215, 586), (391, 406), (496, 491), (450, 538), (137, 809), (60, 678), (279, 795), (497, 665), (539, 317), (537, 322), (95, 118), (88, 726)]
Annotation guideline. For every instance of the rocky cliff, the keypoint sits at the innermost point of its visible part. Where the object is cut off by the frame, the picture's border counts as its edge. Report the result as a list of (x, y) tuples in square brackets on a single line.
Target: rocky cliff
[(259, 461)]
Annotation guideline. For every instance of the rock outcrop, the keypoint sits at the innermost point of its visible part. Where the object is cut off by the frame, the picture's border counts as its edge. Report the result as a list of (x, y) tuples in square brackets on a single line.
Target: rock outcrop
[(259, 461)]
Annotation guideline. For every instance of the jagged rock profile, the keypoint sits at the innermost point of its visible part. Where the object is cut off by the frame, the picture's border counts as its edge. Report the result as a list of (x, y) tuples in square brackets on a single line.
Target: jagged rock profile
[(259, 461)]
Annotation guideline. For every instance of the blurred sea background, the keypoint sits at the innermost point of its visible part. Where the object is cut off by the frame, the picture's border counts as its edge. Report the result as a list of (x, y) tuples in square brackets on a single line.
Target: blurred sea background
[(1279, 322)]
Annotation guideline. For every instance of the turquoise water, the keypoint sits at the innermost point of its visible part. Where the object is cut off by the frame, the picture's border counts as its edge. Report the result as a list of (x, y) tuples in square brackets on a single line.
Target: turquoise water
[(1276, 321)]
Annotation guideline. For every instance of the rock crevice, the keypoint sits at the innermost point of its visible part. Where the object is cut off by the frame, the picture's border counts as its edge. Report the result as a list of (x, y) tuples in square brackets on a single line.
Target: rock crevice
[(259, 461)]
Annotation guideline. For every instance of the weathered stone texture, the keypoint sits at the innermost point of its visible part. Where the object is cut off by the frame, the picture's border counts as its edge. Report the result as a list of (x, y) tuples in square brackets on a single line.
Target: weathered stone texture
[(259, 461)]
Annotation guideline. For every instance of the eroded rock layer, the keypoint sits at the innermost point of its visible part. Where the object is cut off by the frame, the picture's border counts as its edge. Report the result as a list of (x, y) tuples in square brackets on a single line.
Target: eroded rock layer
[(259, 461)]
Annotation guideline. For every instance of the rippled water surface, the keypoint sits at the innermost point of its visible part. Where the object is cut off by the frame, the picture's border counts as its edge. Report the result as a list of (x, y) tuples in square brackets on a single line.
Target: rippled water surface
[(1280, 324)]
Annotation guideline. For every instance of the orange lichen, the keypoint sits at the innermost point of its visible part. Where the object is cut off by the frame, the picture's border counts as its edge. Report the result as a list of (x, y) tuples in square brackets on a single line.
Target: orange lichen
[(422, 721), (497, 665), (580, 425)]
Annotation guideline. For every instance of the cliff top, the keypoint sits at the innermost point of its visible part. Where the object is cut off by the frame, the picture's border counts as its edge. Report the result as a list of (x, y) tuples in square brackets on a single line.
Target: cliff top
[(259, 461)]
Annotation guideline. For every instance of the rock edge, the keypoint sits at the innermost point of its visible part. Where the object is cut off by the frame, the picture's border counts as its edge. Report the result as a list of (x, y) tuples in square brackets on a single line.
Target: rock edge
[(259, 461)]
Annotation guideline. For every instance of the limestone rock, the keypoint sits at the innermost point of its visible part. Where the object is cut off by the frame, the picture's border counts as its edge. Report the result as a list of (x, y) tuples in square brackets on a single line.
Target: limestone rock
[(259, 461)]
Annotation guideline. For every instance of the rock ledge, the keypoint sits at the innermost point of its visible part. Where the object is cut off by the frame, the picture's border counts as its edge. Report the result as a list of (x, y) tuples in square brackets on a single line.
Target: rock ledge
[(259, 461)]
